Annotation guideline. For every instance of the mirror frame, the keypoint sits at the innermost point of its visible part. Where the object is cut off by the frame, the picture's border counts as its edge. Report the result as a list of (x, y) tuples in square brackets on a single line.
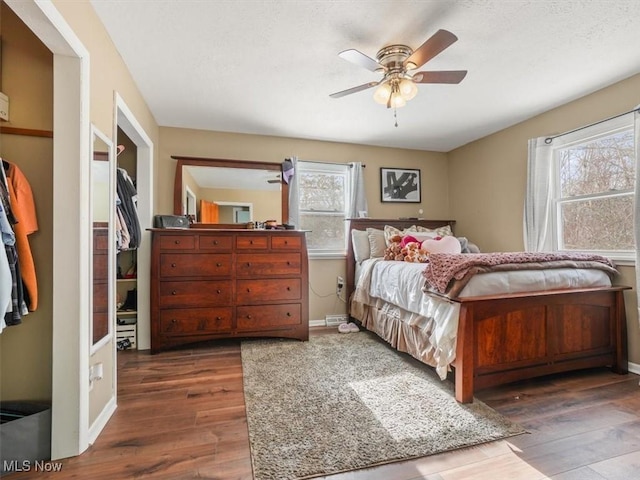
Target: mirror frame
[(110, 159), (218, 162)]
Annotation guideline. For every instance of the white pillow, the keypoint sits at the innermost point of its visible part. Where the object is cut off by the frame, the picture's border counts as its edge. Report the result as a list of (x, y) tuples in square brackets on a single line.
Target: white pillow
[(377, 243), (360, 244)]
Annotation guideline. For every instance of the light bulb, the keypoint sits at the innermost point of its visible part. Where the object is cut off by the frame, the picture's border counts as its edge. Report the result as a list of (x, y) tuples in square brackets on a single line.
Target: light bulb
[(408, 89), (381, 95), (397, 100)]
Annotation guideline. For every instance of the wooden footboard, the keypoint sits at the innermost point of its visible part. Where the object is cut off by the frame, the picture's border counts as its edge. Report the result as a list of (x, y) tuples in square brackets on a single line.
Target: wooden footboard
[(506, 338)]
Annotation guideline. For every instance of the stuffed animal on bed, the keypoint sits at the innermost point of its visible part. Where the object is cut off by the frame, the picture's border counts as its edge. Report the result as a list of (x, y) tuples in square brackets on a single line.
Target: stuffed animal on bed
[(408, 248)]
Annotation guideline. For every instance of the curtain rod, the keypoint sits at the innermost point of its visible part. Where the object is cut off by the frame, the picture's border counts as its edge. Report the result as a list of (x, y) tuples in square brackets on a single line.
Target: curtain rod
[(350, 165), (548, 140)]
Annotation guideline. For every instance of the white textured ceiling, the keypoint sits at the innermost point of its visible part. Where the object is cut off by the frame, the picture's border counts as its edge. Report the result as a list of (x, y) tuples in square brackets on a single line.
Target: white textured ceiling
[(268, 67)]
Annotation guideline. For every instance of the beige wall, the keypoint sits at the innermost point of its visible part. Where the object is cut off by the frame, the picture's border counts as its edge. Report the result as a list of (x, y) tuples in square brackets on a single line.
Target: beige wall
[(27, 78), (322, 273), (488, 178)]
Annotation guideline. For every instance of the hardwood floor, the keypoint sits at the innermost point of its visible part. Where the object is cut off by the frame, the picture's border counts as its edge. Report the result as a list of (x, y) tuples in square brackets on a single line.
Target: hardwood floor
[(181, 416)]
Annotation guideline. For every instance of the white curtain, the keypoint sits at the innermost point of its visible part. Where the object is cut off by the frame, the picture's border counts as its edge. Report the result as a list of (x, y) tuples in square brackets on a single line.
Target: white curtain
[(538, 197), (358, 200), (294, 195), (636, 226)]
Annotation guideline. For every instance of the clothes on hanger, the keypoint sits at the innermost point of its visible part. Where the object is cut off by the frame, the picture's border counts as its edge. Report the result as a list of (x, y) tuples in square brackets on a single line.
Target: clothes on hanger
[(18, 283), (128, 232)]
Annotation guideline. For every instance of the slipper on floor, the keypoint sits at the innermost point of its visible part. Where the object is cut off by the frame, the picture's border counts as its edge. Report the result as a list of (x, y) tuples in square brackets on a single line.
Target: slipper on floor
[(344, 328), (353, 327)]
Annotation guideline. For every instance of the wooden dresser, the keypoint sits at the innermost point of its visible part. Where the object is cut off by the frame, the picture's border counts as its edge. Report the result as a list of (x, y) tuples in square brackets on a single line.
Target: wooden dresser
[(209, 284)]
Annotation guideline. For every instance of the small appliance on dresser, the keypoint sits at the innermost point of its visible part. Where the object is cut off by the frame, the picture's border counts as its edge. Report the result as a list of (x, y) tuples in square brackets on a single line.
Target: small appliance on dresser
[(210, 284)]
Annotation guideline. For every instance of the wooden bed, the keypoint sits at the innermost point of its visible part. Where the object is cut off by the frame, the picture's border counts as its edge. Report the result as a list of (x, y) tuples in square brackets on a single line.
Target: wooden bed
[(511, 337)]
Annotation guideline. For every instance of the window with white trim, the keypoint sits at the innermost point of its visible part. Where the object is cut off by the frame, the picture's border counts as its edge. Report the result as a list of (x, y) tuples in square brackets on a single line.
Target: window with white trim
[(324, 206), (594, 190)]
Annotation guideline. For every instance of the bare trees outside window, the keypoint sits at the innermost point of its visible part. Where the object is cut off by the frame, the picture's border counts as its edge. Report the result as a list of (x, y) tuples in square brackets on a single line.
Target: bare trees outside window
[(595, 194)]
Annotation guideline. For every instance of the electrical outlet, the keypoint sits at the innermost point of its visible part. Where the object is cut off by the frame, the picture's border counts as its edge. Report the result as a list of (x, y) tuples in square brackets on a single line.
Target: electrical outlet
[(340, 283)]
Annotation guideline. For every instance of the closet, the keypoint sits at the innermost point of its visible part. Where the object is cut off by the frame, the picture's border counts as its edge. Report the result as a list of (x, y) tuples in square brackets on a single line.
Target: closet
[(127, 253), (26, 141)]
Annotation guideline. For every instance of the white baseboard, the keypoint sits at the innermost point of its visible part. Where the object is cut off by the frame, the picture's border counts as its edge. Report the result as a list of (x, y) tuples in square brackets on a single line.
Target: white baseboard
[(317, 323), (634, 368), (101, 421)]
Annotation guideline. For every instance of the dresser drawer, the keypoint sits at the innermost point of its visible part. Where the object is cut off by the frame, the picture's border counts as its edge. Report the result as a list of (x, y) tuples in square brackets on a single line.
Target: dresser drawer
[(193, 321), (286, 242), (267, 316), (267, 264), (195, 265), (252, 242), (177, 242), (195, 294), (215, 242), (260, 291)]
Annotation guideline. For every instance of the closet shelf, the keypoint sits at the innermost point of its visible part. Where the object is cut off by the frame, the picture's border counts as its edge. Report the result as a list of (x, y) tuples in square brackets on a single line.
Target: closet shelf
[(125, 280), (123, 313)]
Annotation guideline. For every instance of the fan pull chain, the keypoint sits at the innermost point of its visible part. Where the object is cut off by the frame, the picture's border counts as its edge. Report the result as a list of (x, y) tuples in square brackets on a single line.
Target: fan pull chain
[(395, 115)]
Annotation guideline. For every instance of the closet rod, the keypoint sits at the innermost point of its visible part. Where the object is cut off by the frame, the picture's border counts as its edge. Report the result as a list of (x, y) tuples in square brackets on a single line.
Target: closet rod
[(548, 140), (30, 132)]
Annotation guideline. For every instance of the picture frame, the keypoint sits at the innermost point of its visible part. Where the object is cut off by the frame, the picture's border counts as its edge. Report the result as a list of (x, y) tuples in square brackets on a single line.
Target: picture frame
[(400, 185)]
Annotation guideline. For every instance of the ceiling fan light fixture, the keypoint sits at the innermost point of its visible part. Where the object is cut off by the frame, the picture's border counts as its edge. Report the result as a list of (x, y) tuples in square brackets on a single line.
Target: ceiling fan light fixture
[(382, 93), (408, 89), (397, 100)]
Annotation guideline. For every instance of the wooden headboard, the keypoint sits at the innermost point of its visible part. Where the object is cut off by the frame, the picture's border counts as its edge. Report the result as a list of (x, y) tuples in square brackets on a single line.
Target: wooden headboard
[(363, 224)]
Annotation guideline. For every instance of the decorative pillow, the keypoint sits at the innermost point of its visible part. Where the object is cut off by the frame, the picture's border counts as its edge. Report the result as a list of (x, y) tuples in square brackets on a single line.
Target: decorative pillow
[(439, 232), (448, 244), (377, 243), (390, 232), (360, 244)]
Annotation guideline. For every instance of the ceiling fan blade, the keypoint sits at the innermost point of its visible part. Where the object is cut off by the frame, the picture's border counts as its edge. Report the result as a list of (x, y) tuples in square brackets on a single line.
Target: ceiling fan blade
[(349, 91), (444, 76), (432, 47), (359, 58)]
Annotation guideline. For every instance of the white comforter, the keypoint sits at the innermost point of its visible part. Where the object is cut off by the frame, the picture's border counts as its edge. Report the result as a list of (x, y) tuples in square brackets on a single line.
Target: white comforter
[(401, 284)]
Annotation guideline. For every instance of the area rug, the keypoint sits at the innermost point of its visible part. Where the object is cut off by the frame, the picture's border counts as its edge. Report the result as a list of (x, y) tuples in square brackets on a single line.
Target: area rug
[(342, 402)]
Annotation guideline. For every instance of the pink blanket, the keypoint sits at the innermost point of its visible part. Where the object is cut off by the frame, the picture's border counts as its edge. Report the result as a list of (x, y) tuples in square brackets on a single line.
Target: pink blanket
[(445, 268)]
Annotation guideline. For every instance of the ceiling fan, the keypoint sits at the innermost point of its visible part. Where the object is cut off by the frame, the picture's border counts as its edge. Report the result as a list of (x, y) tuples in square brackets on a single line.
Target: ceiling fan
[(396, 63)]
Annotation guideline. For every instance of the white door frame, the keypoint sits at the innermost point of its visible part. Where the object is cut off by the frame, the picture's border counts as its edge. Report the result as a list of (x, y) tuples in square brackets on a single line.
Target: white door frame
[(71, 225), (125, 119)]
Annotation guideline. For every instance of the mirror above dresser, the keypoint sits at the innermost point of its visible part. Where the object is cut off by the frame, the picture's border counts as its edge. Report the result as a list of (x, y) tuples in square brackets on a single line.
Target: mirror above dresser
[(220, 193)]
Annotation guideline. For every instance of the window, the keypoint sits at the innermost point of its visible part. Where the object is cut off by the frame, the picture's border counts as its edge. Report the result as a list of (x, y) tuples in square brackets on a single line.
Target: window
[(594, 190), (324, 205)]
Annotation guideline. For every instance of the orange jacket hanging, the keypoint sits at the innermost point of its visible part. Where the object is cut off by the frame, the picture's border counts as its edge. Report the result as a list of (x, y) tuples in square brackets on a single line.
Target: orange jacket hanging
[(24, 209)]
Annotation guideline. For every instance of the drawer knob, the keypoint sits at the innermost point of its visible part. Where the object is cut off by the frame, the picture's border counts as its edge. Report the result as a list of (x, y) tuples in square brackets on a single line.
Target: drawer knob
[(288, 314), (218, 264), (173, 320), (288, 289), (218, 291), (286, 242), (177, 242), (250, 242), (173, 265), (174, 292), (215, 242), (248, 264), (218, 318), (288, 263), (249, 317), (248, 290)]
